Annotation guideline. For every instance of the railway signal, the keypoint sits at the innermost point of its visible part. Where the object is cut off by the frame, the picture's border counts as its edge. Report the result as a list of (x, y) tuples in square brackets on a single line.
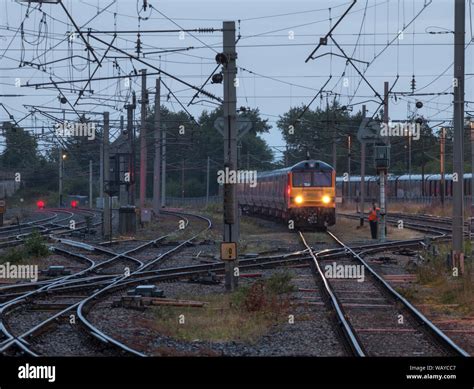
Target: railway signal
[(40, 204), (74, 204), (2, 211)]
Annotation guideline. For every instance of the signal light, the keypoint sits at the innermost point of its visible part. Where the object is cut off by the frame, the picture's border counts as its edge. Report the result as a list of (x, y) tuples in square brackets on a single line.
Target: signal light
[(221, 58), (40, 204), (217, 78), (74, 204)]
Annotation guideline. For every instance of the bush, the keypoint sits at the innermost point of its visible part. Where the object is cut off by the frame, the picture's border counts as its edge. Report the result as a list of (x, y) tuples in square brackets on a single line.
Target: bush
[(12, 255), (265, 295), (238, 297), (256, 298), (280, 283), (34, 245)]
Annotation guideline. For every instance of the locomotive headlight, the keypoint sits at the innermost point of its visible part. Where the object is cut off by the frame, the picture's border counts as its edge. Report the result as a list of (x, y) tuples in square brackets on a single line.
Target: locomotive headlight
[(298, 199), (326, 199)]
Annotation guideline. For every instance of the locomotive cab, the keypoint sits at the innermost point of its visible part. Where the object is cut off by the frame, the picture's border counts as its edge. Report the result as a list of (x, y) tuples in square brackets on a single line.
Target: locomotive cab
[(304, 193), (312, 196)]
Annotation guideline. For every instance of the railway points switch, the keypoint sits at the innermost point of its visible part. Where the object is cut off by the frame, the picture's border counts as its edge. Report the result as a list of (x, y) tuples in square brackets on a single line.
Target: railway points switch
[(208, 279), (56, 270), (146, 291), (251, 255)]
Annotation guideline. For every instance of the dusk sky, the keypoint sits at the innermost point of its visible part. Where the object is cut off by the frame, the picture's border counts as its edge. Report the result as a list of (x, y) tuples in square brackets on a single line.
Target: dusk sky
[(276, 38)]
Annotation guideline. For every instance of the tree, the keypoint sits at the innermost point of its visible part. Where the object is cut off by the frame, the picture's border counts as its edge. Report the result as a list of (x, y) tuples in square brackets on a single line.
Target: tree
[(21, 148), (190, 142), (313, 132)]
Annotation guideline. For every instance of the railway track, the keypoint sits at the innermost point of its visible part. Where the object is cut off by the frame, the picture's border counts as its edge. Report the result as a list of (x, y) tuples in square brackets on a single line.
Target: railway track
[(87, 288), (95, 257), (51, 226), (81, 282), (422, 223), (173, 274), (374, 318)]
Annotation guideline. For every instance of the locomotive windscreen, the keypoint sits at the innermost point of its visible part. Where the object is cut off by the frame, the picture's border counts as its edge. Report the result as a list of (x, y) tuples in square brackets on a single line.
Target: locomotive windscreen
[(302, 179), (322, 179), (307, 179)]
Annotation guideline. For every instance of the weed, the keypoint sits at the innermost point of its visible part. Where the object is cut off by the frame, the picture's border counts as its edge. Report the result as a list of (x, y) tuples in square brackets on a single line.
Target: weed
[(35, 245)]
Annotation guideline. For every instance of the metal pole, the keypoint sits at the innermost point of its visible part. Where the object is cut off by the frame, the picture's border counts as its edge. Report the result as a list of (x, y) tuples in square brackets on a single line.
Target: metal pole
[(207, 179), (362, 174), (334, 147), (60, 177), (349, 168), (61, 166), (2, 197), (90, 184), (471, 230), (382, 205), (458, 123), (383, 172), (231, 217), (131, 164), (409, 165), (157, 160), (163, 168), (101, 169), (182, 179), (442, 146), (143, 148), (107, 212), (422, 167), (130, 199), (123, 197)]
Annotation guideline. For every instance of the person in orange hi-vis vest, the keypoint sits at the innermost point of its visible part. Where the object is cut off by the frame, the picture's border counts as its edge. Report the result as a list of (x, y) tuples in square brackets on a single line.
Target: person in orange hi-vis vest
[(373, 220)]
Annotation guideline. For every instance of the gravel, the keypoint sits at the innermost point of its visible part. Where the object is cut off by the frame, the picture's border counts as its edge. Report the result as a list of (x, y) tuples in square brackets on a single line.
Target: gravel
[(312, 333)]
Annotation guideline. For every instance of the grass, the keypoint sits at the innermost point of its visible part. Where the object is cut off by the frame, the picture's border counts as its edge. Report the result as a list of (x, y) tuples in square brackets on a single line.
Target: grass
[(244, 315), (438, 286), (13, 255)]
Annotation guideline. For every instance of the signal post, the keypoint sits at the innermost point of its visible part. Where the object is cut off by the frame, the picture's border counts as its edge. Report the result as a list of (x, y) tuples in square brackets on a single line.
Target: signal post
[(231, 217)]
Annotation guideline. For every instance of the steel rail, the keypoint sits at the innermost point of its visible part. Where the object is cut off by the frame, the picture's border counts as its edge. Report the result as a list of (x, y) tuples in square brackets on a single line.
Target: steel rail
[(349, 334), (60, 281), (442, 338), (93, 298)]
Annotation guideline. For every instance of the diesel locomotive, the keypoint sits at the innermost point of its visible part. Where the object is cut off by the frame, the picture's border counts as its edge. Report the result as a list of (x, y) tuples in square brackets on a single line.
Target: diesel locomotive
[(304, 193)]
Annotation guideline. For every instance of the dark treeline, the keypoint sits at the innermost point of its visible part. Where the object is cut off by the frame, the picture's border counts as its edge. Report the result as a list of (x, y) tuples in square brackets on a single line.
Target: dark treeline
[(189, 144), (315, 131)]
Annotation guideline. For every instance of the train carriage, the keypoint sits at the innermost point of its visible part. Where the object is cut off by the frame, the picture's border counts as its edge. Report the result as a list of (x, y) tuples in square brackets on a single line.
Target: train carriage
[(406, 186)]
